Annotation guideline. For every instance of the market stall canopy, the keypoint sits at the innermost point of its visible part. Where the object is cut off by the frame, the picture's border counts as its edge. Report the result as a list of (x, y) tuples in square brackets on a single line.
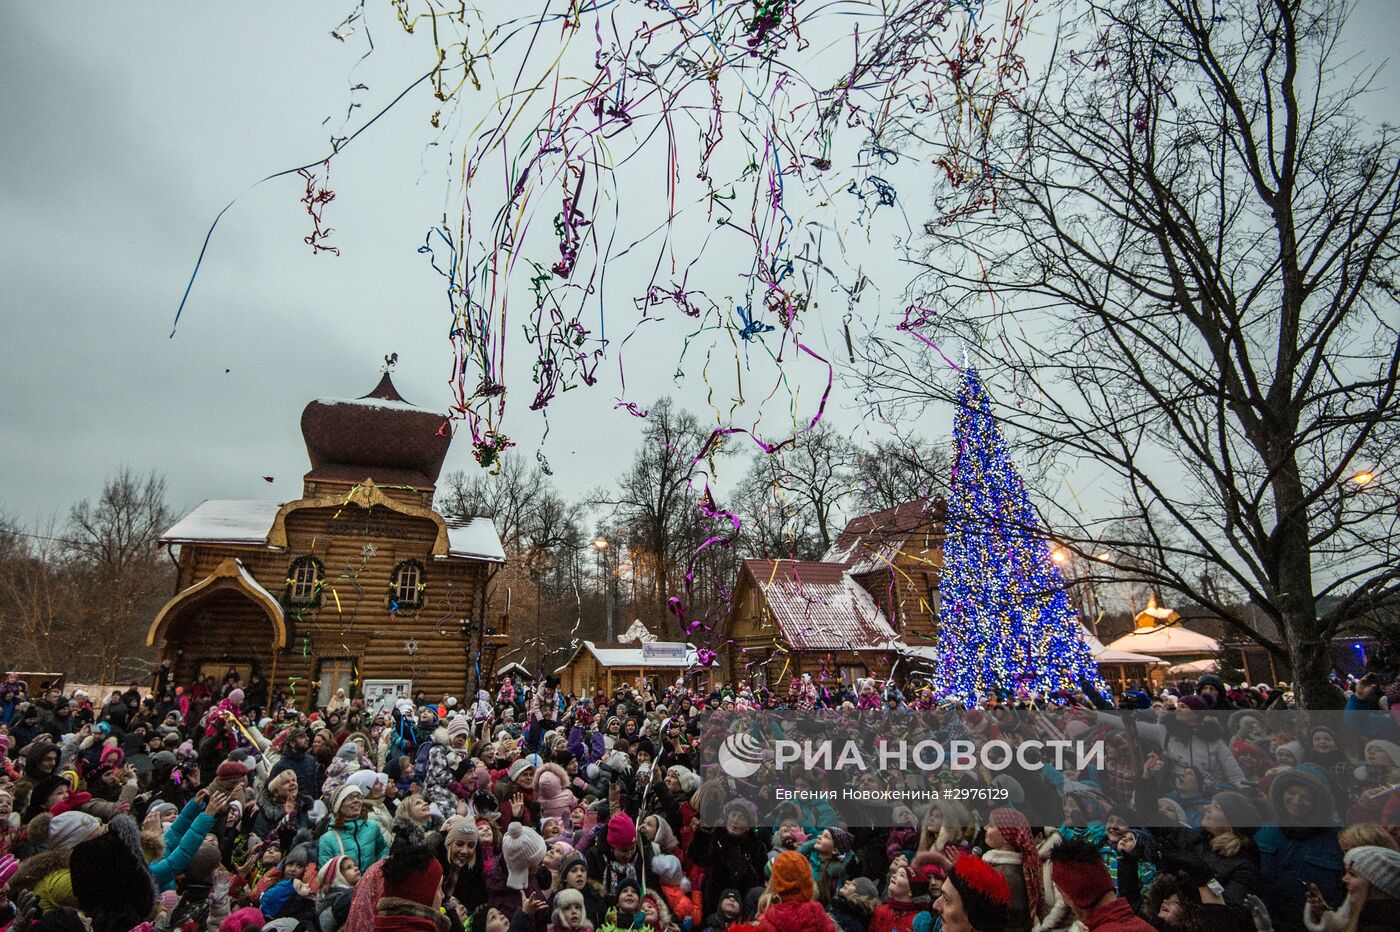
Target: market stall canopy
[(1192, 668)]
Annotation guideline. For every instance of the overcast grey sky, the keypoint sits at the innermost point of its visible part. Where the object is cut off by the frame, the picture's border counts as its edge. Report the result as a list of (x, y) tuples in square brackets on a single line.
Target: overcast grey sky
[(125, 129)]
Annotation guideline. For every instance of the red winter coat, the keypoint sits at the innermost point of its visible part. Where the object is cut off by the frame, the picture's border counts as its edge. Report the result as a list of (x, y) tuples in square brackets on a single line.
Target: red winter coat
[(1116, 916), (897, 915), (796, 917)]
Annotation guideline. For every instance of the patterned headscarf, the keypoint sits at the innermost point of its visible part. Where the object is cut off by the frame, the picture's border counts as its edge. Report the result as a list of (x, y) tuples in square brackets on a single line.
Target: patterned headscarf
[(1016, 830)]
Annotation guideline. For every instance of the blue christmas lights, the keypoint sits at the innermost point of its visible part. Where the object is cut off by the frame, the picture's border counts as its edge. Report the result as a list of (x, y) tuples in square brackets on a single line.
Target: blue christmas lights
[(1005, 625)]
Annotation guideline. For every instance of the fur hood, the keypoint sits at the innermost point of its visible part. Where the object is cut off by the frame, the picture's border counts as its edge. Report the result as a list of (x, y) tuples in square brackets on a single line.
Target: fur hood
[(36, 868), (557, 783)]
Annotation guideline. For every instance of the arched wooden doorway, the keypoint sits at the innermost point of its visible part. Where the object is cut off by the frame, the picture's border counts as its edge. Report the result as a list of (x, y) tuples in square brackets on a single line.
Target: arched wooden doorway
[(225, 620)]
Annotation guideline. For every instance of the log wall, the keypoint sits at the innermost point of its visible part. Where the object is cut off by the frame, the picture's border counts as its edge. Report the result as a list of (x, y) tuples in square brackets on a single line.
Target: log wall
[(359, 549)]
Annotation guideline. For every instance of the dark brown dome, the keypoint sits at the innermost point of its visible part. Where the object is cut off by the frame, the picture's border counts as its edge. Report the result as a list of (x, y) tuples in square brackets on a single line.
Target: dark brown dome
[(379, 435)]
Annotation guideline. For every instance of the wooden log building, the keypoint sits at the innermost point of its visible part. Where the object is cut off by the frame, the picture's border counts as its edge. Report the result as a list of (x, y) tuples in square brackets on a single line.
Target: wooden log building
[(359, 584), (871, 601)]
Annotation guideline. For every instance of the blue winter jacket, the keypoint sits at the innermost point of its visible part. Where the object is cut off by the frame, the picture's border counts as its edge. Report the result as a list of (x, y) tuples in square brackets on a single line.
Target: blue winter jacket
[(361, 841), (182, 840), (1289, 860)]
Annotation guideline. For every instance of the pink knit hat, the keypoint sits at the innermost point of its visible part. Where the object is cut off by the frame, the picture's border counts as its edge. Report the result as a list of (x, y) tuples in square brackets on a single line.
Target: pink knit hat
[(247, 919), (622, 831)]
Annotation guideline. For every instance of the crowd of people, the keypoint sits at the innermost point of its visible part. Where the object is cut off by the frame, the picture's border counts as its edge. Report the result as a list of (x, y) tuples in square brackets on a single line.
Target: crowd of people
[(222, 807)]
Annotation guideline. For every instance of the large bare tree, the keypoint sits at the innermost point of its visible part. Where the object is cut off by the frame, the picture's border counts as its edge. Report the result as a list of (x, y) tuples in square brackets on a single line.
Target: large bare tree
[(1187, 288), (541, 533), (122, 574), (655, 504)]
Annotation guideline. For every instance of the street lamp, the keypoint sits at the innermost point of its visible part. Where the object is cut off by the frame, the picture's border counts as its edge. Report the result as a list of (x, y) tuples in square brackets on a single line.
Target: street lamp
[(600, 544), (1365, 477)]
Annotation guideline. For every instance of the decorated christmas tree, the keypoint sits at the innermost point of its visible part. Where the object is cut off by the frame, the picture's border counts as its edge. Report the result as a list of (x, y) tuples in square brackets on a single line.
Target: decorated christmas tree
[(1005, 623)]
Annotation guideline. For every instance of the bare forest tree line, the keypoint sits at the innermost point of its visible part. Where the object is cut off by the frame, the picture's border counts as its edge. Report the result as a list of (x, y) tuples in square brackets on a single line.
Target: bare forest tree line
[(77, 596)]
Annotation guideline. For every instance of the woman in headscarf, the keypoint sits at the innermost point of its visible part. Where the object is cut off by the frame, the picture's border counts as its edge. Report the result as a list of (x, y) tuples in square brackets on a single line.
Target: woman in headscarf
[(1012, 851)]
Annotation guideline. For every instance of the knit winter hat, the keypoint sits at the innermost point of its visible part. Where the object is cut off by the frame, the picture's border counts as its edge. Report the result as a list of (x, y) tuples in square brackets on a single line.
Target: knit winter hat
[(1193, 702), (72, 828), (1388, 748), (366, 779), (1241, 749), (622, 831), (792, 878), (1083, 882), (1312, 777), (161, 807), (523, 849), (247, 919), (843, 839), (985, 894), (667, 868), (571, 860), (1380, 866), (110, 878), (866, 889), (8, 866), (205, 862), (232, 770), (329, 875), (459, 726), (342, 793), (1238, 810), (458, 828), (688, 779)]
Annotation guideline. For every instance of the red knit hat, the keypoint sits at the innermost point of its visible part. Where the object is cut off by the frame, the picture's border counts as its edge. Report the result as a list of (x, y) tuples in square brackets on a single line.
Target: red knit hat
[(792, 878), (418, 886), (232, 770), (985, 895), (1083, 882)]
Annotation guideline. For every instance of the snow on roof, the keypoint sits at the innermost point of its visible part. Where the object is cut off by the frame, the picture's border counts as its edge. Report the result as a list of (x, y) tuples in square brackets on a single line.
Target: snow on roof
[(1102, 654), (624, 655), (927, 652), (638, 632), (226, 521), (230, 521), (390, 404), (818, 606), (257, 586), (1165, 641), (475, 537), (1193, 666), (871, 541)]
